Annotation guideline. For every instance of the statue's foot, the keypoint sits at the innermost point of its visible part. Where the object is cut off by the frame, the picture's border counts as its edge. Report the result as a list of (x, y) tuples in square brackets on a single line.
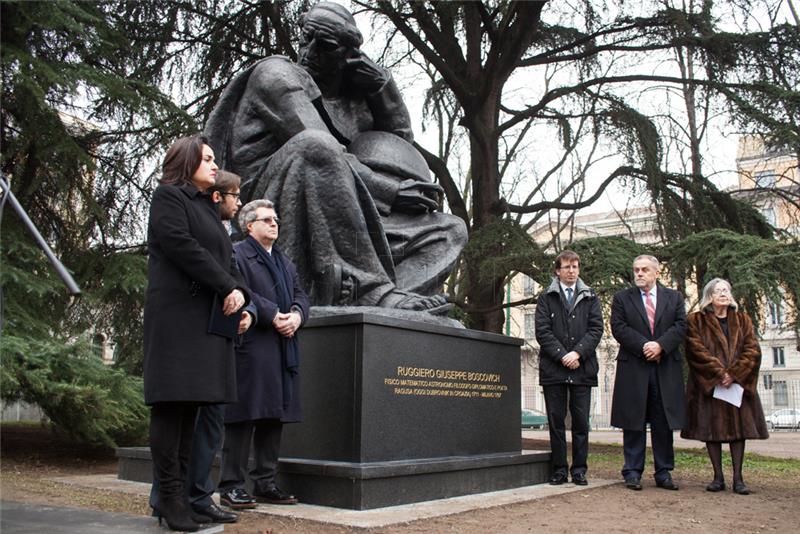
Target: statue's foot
[(404, 300)]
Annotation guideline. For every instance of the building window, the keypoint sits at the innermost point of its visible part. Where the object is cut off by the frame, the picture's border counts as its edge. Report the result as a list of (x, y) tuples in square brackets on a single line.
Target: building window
[(781, 393), (766, 178), (767, 381), (769, 216), (775, 312), (530, 325), (528, 285), (530, 398), (778, 358)]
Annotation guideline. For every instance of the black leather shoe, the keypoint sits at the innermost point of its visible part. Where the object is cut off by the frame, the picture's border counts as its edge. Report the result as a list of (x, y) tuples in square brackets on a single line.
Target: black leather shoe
[(633, 483), (579, 479), (556, 479), (238, 499), (741, 488), (217, 514), (716, 485), (667, 484), (274, 495)]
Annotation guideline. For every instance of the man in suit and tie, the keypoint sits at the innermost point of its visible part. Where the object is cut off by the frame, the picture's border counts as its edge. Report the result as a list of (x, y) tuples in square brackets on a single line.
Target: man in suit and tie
[(569, 325), (649, 322)]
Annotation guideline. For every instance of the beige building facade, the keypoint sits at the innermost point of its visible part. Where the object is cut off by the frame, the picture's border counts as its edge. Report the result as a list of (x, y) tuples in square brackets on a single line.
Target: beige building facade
[(769, 178)]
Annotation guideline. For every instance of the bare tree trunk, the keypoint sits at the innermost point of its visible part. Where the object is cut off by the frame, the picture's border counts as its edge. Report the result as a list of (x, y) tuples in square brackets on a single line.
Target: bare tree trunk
[(485, 290)]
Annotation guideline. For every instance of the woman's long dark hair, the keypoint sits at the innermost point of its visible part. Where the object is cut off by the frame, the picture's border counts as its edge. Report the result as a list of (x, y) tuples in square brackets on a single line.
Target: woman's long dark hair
[(182, 160)]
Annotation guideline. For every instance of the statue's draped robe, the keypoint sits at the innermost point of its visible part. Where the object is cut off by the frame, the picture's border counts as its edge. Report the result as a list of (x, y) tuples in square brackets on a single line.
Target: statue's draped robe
[(333, 172)]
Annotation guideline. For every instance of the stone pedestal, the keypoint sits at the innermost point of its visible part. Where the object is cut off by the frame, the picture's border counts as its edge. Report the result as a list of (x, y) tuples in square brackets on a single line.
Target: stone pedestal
[(397, 411)]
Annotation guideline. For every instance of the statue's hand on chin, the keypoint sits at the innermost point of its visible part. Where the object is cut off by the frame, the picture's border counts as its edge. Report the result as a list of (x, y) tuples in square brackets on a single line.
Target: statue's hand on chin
[(364, 74)]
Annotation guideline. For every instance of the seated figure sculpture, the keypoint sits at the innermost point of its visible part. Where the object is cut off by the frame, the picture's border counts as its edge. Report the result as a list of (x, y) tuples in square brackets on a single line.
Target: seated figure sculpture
[(328, 140)]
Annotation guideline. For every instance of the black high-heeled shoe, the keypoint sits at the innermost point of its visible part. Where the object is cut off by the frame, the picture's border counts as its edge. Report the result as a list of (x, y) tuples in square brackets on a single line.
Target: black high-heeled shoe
[(176, 515), (200, 519)]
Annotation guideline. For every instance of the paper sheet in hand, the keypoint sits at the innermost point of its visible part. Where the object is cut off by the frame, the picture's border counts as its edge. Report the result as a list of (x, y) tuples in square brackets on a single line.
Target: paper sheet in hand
[(731, 395)]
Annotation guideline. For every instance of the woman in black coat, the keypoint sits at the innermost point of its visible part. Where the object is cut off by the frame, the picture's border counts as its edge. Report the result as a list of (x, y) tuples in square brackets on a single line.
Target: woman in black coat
[(190, 270)]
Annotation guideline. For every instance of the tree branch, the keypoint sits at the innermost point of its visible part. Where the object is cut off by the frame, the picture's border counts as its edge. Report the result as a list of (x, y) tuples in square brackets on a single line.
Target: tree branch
[(547, 205), (560, 92)]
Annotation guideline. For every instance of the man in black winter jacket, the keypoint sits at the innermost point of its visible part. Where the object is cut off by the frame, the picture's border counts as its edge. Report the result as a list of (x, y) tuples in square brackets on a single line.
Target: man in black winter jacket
[(569, 325)]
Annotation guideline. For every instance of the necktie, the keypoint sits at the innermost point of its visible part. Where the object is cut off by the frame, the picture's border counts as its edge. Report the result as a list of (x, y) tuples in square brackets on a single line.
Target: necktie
[(569, 297), (651, 311)]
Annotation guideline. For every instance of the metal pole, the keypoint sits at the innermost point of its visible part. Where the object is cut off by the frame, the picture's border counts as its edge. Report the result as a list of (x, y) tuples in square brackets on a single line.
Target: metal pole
[(54, 261)]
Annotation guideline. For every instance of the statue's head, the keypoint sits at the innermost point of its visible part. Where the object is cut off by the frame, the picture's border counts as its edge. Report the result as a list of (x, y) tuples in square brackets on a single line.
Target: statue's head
[(328, 37)]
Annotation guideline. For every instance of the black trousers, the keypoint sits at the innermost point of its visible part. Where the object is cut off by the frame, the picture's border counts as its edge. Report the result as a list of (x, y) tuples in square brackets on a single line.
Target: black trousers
[(634, 442), (556, 398), (206, 443), (266, 437), (171, 429)]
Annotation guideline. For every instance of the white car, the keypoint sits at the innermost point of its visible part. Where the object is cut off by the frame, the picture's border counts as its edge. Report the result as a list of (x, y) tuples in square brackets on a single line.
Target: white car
[(786, 418)]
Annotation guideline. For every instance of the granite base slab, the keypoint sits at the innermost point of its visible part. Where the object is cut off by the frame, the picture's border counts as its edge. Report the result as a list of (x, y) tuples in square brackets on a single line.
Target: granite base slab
[(365, 486)]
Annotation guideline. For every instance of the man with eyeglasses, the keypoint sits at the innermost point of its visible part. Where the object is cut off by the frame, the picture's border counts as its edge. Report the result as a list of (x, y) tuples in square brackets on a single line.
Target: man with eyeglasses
[(267, 364), (329, 140), (569, 325)]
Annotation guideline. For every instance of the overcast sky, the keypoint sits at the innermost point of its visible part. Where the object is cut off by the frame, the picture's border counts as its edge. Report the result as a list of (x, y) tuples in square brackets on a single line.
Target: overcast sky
[(720, 145)]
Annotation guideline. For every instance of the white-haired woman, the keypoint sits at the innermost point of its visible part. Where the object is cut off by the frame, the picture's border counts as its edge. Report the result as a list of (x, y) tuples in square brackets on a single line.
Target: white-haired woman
[(722, 350)]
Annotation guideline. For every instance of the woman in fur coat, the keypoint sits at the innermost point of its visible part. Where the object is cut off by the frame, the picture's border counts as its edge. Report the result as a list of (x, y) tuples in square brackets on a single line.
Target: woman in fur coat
[(722, 350)]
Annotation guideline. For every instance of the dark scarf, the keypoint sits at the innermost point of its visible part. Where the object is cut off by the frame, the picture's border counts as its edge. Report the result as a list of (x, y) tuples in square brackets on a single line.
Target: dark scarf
[(276, 265)]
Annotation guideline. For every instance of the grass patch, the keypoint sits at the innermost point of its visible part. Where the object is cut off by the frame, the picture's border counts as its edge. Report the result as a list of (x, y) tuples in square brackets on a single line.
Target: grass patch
[(694, 458), (605, 461)]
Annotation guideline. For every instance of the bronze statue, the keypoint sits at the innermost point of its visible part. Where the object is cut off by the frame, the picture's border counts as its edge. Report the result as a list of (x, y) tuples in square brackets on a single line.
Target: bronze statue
[(328, 140)]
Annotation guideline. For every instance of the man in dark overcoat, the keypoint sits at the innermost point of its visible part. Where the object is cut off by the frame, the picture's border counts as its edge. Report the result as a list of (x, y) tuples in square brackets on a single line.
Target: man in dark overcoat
[(649, 322), (266, 364), (569, 325)]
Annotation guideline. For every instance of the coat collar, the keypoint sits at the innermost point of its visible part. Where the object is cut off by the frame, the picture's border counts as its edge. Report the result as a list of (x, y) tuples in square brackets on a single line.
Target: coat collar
[(582, 291), (729, 344), (661, 302), (249, 251), (189, 190), (555, 287), (248, 248)]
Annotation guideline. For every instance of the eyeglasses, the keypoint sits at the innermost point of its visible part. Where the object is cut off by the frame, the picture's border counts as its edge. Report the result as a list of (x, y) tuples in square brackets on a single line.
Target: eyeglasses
[(268, 220), (721, 291), (237, 195)]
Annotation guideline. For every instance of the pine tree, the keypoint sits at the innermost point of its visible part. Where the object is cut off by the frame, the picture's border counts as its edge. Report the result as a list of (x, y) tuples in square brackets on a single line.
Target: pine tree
[(79, 116)]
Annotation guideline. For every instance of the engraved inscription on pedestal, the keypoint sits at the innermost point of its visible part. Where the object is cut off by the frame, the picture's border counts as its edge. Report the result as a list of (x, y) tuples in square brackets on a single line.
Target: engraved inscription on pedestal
[(429, 382)]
